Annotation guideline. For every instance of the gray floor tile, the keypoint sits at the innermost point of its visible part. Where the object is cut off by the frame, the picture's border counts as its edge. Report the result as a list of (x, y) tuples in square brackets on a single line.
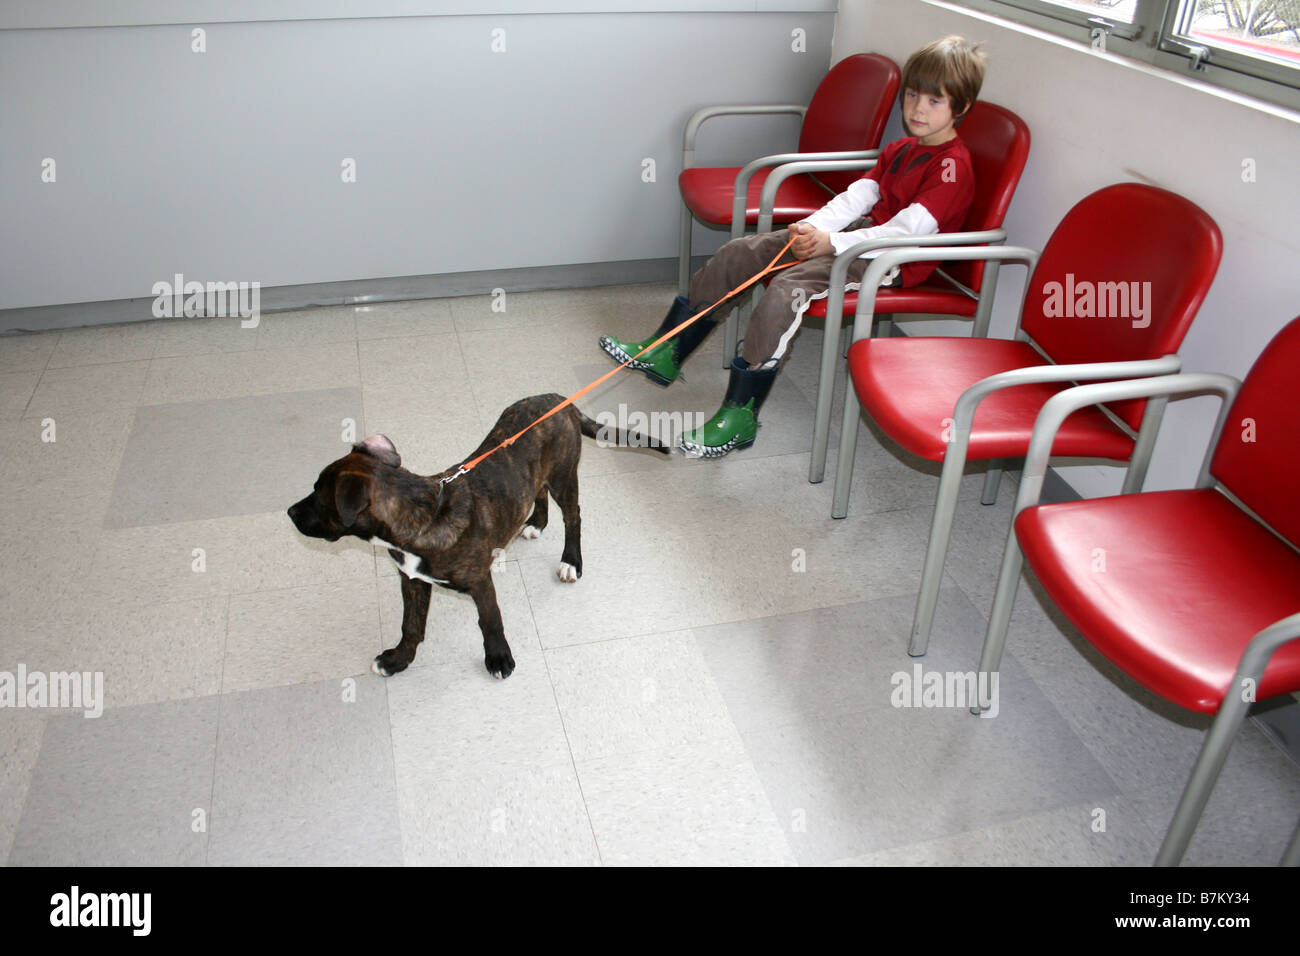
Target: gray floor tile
[(150, 653), (892, 776), (230, 456), (484, 774), (208, 376), (20, 745), (1252, 813), (41, 573), (691, 554), (304, 777), (16, 390), (175, 337), (300, 635), (514, 815), (459, 719), (86, 390), (814, 664), (106, 343), (638, 693), (699, 804), (218, 556), (387, 320), (25, 351), (430, 359), (304, 327), (132, 787), (1108, 833)]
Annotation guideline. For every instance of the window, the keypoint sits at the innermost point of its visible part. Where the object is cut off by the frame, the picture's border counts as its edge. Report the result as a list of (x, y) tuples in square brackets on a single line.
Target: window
[(1249, 46), (1257, 37)]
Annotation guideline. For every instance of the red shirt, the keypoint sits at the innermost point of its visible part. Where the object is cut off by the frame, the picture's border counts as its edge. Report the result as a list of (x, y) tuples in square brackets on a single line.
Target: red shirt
[(940, 178)]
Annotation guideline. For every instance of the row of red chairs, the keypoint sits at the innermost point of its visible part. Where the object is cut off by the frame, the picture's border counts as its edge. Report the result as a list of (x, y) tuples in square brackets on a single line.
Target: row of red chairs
[(1200, 600)]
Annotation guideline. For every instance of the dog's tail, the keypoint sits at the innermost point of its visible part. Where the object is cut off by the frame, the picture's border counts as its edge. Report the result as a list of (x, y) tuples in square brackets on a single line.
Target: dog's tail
[(609, 434)]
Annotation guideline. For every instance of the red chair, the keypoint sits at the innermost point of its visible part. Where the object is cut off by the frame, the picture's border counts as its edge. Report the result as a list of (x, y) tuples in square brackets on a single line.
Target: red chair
[(1111, 296), (998, 141), (1199, 596), (844, 122)]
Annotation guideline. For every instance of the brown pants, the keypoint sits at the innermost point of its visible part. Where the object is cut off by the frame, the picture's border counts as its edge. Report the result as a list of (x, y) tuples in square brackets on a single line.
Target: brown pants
[(779, 311)]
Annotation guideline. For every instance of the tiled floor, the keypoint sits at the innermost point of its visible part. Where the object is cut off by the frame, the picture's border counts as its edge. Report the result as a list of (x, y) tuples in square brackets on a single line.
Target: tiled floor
[(715, 690)]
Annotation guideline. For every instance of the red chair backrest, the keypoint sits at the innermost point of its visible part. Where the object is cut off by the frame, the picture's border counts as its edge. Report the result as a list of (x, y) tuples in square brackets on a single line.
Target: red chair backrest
[(998, 142), (849, 111), (1121, 279), (1258, 454)]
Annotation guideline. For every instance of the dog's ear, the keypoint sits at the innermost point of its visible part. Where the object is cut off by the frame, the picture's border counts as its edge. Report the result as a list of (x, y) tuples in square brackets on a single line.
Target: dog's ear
[(351, 496), (379, 446)]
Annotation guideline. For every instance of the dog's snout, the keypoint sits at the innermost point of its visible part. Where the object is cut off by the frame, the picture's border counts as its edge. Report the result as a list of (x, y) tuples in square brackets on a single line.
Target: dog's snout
[(299, 515)]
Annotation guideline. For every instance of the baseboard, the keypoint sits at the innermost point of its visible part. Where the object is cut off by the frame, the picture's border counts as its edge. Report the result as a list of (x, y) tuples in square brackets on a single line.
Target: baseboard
[(283, 298)]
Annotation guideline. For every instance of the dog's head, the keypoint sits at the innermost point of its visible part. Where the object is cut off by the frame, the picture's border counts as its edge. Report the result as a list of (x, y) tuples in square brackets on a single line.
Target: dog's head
[(339, 503)]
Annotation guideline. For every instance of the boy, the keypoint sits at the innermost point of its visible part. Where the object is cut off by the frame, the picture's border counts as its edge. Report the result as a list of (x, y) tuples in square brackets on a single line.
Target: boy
[(921, 185)]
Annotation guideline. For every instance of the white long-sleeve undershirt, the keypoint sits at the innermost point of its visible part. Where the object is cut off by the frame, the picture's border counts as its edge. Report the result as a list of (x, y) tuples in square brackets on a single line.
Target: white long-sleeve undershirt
[(857, 201)]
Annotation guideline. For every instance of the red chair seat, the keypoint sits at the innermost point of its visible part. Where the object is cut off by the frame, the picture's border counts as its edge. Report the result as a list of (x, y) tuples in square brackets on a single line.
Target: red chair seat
[(1177, 626), (934, 296), (708, 193), (910, 387)]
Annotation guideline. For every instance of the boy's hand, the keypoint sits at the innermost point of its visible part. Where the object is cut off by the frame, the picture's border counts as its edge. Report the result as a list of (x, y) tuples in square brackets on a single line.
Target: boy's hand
[(809, 242)]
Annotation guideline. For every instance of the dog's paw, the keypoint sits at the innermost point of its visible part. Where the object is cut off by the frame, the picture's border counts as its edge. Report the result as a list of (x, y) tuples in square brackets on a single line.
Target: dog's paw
[(568, 573), (530, 532), (500, 665), (388, 663)]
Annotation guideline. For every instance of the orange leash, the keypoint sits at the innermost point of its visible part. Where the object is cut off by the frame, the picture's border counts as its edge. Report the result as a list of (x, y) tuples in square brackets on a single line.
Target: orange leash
[(770, 268)]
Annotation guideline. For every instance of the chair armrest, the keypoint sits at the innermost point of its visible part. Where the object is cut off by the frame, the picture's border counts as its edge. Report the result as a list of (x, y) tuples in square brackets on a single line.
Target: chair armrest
[(1261, 647), (963, 414), (823, 163), (698, 118), (916, 249), (1059, 407), (805, 163)]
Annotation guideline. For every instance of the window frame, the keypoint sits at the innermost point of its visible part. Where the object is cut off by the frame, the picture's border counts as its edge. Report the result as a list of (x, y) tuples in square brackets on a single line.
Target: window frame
[(1154, 39)]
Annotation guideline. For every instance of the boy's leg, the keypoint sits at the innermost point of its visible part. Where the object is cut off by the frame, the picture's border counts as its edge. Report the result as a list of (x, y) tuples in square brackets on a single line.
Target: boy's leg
[(766, 345), (738, 260), (735, 262), (780, 311)]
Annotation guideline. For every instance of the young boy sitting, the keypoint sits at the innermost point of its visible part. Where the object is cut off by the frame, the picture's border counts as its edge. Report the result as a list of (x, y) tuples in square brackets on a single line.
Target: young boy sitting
[(921, 184)]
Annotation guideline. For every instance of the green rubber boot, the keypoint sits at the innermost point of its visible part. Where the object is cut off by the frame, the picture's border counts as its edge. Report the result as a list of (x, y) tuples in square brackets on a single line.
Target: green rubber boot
[(662, 365), (736, 423)]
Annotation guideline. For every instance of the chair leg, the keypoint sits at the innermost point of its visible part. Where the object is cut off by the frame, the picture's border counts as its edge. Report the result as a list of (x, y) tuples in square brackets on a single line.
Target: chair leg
[(995, 638), (848, 449), (1232, 711), (992, 478), (684, 252), (936, 552), (832, 348), (1214, 752), (1292, 855), (730, 336)]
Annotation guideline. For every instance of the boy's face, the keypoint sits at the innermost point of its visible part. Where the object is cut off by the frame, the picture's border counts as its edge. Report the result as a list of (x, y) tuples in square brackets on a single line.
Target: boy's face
[(928, 117)]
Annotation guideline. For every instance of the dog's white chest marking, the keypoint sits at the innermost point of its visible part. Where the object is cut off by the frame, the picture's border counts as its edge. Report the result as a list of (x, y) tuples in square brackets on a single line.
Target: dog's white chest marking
[(410, 563)]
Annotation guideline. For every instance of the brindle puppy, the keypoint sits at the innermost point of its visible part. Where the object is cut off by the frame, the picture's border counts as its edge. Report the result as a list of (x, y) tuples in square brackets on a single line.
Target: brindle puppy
[(445, 530)]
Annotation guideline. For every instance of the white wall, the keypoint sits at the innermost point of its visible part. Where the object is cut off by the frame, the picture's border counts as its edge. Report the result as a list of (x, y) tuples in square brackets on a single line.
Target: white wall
[(1096, 120), (226, 165)]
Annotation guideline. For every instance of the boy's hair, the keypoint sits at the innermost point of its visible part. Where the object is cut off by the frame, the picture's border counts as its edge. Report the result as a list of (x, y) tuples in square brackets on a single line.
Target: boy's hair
[(952, 65)]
